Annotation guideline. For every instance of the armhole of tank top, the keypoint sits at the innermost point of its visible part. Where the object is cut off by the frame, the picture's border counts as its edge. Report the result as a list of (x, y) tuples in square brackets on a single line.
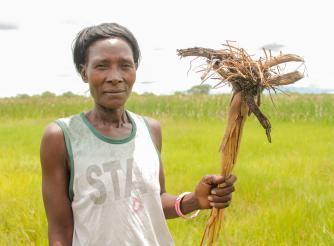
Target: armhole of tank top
[(151, 135), (70, 155)]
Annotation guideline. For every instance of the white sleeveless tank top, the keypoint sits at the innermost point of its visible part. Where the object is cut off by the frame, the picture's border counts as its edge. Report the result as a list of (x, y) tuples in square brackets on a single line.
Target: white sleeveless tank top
[(114, 185)]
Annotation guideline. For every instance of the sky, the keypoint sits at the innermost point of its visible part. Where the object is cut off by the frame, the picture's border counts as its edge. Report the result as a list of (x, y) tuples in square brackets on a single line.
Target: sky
[(36, 38)]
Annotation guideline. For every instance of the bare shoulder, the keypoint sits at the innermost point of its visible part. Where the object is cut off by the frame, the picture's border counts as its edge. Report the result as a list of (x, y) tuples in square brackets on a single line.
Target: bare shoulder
[(53, 135), (153, 124), (53, 130), (53, 145), (155, 129)]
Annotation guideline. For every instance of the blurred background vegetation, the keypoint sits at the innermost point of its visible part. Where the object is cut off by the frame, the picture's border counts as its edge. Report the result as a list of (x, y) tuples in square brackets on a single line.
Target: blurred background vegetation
[(284, 194)]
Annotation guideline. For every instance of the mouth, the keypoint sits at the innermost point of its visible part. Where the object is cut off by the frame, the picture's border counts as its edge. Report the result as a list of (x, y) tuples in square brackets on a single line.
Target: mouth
[(114, 92)]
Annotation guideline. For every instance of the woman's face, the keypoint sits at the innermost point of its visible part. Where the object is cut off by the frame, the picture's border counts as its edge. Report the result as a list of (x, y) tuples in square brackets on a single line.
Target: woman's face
[(110, 71)]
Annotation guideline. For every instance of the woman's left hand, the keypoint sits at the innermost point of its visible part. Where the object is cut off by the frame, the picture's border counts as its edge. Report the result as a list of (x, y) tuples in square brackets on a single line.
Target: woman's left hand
[(209, 195)]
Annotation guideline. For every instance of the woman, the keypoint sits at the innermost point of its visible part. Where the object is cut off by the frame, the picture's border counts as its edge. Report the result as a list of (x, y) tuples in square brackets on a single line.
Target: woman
[(102, 177)]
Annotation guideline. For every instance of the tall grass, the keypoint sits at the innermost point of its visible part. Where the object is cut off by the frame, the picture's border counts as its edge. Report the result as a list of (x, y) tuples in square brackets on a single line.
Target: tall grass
[(284, 194), (291, 107), (284, 190)]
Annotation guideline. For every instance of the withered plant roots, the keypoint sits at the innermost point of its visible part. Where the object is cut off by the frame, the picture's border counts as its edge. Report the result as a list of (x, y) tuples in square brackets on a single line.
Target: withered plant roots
[(248, 78)]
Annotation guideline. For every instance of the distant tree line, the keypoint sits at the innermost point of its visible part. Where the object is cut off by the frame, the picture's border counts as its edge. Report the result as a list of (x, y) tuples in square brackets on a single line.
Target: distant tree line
[(48, 94), (195, 90), (199, 90)]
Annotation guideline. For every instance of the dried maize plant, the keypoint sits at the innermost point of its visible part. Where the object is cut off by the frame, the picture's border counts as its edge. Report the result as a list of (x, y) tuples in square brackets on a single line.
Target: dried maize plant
[(248, 78)]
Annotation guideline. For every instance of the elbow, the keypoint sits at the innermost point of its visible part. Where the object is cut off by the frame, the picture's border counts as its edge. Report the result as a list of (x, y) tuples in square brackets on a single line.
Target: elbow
[(60, 236)]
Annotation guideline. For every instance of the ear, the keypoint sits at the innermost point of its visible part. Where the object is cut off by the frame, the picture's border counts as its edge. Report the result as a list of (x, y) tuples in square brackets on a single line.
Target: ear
[(83, 73)]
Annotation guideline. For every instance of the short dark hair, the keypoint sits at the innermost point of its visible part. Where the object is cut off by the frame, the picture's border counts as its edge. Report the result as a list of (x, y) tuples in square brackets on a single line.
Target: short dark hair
[(89, 35)]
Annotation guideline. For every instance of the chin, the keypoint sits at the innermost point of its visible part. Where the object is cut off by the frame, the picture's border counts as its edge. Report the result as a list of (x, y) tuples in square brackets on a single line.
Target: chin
[(114, 104)]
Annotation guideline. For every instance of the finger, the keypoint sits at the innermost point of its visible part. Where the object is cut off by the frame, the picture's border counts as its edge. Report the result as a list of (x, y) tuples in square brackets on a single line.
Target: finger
[(220, 205), (223, 181), (222, 191), (230, 180), (213, 179), (220, 199)]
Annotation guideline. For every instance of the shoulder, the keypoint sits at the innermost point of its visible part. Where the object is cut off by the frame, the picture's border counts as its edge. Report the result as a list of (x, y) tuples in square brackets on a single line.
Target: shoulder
[(153, 124), (53, 143), (155, 129), (53, 132)]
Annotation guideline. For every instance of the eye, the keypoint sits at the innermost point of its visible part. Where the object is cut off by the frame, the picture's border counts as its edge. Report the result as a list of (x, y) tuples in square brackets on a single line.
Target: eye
[(101, 66), (127, 66)]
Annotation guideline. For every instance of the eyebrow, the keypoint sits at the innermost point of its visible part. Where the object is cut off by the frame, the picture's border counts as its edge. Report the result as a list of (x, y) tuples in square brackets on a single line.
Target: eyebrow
[(96, 61), (103, 60)]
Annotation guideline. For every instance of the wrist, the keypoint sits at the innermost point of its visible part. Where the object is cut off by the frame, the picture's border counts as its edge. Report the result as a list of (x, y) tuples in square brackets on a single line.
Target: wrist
[(189, 203)]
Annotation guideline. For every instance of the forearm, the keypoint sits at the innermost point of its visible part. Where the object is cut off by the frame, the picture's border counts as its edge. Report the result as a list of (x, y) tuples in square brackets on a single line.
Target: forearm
[(188, 204)]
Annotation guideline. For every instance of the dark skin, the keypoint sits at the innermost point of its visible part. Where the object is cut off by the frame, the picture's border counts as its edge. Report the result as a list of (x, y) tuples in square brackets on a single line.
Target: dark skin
[(110, 72)]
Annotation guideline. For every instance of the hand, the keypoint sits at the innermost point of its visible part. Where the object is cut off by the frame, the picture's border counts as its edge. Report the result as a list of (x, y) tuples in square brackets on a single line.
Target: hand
[(209, 195)]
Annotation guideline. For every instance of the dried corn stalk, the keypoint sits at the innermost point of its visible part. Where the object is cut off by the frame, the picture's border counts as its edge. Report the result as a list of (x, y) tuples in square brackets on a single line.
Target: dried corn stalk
[(248, 79)]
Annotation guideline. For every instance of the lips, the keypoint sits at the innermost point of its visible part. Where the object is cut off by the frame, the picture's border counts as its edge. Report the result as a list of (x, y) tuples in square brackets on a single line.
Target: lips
[(114, 91)]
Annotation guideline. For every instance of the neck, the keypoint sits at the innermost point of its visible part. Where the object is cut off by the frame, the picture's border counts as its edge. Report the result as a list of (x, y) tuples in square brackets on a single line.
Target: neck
[(115, 117)]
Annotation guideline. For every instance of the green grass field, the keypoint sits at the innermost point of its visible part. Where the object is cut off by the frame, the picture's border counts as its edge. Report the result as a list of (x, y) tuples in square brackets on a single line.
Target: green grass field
[(284, 193)]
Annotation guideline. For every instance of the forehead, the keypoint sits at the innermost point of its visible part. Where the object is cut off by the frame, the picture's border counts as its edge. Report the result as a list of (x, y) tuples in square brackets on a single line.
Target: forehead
[(111, 48)]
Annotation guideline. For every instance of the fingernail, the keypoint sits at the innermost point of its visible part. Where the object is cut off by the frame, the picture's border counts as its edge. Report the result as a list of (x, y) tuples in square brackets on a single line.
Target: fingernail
[(210, 198), (213, 192), (212, 204)]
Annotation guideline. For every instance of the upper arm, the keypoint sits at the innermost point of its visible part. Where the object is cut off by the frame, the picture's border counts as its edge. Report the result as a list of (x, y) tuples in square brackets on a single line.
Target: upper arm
[(156, 135), (55, 180)]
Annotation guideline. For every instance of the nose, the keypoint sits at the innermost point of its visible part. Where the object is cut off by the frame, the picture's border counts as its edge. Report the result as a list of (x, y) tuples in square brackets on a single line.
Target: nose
[(114, 76)]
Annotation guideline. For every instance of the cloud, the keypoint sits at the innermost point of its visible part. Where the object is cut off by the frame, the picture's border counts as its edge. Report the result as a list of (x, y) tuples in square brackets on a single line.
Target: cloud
[(272, 46), (8, 26), (146, 82)]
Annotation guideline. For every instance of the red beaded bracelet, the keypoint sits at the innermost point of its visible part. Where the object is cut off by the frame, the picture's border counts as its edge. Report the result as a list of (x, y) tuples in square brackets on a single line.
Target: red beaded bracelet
[(178, 207)]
